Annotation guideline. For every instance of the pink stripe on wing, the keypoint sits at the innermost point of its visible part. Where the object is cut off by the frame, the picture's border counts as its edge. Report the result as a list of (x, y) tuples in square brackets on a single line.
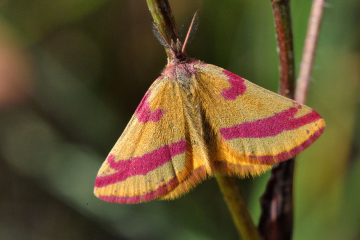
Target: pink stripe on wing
[(144, 113), (271, 126), (237, 88), (140, 165), (270, 159), (142, 198)]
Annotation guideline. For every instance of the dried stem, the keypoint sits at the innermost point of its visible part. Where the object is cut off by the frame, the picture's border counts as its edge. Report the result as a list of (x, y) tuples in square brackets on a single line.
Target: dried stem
[(309, 51), (282, 15), (276, 220)]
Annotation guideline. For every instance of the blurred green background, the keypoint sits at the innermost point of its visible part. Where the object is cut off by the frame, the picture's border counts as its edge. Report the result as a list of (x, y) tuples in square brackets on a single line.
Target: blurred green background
[(72, 73)]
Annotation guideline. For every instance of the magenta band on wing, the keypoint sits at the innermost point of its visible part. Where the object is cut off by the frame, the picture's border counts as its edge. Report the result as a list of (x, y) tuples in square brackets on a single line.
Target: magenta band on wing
[(144, 113), (269, 127), (237, 88), (270, 159), (140, 165), (142, 198)]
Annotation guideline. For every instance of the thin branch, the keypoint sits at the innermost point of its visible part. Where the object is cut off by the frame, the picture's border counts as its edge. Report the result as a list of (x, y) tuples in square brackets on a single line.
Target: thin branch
[(276, 220), (237, 206), (309, 51), (277, 211), (283, 24)]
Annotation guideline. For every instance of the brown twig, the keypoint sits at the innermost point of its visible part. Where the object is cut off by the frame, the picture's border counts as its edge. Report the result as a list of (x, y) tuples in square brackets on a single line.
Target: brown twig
[(276, 220), (309, 51), (282, 15)]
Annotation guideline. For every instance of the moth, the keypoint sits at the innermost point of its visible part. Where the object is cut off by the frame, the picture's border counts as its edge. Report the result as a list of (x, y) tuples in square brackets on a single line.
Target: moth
[(196, 120)]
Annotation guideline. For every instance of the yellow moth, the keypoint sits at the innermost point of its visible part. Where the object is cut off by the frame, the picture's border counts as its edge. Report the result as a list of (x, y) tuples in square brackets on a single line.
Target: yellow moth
[(196, 120)]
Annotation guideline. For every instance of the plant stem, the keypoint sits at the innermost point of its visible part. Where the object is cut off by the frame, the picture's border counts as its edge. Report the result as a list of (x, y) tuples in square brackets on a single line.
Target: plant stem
[(309, 51), (237, 206), (276, 220), (164, 20), (282, 15)]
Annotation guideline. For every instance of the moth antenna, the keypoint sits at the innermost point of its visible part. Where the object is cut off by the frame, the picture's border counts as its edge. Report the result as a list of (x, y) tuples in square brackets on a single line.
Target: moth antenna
[(181, 31), (161, 38), (191, 32)]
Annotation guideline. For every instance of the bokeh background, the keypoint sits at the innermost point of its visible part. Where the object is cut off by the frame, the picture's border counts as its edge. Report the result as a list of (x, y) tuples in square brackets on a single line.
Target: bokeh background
[(72, 73)]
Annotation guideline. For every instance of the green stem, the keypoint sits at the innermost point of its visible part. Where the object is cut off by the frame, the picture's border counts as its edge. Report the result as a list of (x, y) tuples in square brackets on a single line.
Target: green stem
[(164, 20), (237, 206)]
